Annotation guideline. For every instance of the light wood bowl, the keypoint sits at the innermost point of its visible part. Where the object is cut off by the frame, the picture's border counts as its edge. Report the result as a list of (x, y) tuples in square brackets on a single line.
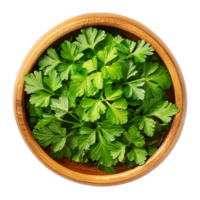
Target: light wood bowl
[(130, 29)]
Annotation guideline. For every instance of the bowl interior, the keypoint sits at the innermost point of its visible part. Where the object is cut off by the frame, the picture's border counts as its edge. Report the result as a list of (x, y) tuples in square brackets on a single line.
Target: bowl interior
[(83, 168)]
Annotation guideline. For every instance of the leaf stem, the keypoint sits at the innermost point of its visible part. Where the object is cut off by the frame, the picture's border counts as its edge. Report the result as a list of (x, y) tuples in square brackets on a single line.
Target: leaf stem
[(67, 121), (101, 96), (141, 79), (107, 102), (47, 90), (56, 94), (73, 116)]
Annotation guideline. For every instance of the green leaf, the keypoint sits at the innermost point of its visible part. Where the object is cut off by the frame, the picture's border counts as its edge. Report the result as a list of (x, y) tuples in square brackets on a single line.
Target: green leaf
[(76, 157), (110, 131), (138, 154), (34, 111), (128, 69), (126, 46), (134, 136), (55, 127), (87, 138), (89, 38), (101, 152), (141, 51), (161, 128), (64, 152), (134, 90), (107, 54), (131, 155), (161, 141), (164, 111), (138, 110), (33, 82), (53, 81), (80, 85), (47, 118), (61, 105), (72, 102), (152, 150), (112, 95), (40, 98), (95, 108), (98, 80), (32, 122), (49, 62), (45, 136), (116, 113), (161, 77), (83, 116), (117, 39), (66, 69), (111, 169), (148, 104), (108, 40), (72, 140), (119, 152), (135, 102), (70, 52), (152, 88), (59, 145), (113, 71), (130, 164), (91, 64), (148, 124)]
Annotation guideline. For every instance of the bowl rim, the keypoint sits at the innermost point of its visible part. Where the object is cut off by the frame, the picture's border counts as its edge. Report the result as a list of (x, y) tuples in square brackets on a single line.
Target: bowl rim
[(134, 27)]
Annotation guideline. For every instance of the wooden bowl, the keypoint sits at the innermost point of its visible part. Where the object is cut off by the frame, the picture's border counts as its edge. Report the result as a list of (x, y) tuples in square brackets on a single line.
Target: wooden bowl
[(131, 29)]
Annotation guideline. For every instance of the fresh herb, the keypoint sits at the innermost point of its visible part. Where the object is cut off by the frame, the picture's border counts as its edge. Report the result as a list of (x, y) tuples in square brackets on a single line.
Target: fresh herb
[(100, 100)]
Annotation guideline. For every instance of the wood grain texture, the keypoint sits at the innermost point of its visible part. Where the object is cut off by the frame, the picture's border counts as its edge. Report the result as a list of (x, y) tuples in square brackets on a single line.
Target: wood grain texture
[(82, 173)]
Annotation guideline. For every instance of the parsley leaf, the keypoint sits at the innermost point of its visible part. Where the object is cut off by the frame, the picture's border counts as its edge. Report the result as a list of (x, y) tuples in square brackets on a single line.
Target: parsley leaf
[(156, 78), (140, 53), (101, 152), (66, 69), (54, 134), (70, 52), (113, 71), (128, 69), (138, 154), (40, 99), (119, 152), (107, 54), (89, 38), (134, 90), (116, 113), (91, 64), (87, 137), (134, 136), (110, 131), (61, 105), (95, 108), (81, 84), (53, 81), (50, 61), (164, 111), (47, 118), (112, 95), (148, 124), (34, 82)]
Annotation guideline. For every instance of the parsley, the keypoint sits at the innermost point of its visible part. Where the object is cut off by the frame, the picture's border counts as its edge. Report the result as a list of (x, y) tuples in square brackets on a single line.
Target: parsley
[(100, 100)]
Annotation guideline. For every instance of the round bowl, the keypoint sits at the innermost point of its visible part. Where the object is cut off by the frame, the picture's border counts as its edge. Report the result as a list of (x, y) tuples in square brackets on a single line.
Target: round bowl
[(131, 29)]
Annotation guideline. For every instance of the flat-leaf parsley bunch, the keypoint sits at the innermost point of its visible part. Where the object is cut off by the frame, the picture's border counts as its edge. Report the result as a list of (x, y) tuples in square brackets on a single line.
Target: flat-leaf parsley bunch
[(100, 100)]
